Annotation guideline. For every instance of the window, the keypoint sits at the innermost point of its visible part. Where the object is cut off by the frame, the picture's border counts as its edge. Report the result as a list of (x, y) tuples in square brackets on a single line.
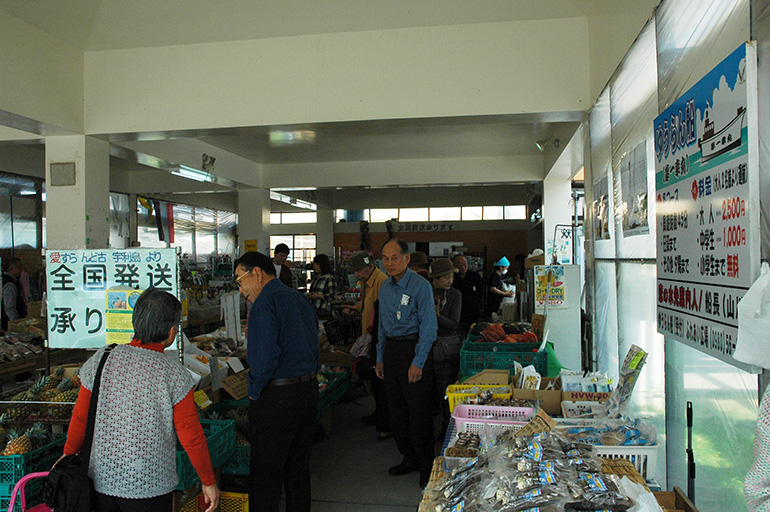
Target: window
[(452, 213), (472, 213), (382, 214), (298, 218), (301, 247), (275, 218), (515, 212), (200, 232), (413, 214), (493, 213)]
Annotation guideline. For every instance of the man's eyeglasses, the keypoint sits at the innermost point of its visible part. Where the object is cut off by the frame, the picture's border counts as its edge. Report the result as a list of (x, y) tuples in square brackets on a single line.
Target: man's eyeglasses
[(240, 277)]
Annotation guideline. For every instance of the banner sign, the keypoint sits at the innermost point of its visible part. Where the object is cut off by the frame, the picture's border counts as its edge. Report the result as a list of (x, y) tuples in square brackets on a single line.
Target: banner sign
[(707, 195), (91, 293)]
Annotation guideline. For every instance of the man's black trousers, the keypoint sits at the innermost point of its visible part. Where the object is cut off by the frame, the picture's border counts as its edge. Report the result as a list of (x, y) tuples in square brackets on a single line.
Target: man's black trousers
[(281, 427), (409, 405)]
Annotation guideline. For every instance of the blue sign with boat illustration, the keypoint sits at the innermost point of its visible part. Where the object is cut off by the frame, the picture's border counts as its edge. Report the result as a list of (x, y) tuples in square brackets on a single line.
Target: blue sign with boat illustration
[(707, 203)]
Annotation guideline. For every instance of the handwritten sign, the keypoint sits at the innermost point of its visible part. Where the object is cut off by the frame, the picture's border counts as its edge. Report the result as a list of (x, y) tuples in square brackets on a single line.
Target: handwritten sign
[(707, 183), (91, 293), (237, 385)]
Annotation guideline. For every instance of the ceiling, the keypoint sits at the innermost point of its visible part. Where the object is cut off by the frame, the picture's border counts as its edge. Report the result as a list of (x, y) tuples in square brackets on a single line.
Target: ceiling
[(99, 25)]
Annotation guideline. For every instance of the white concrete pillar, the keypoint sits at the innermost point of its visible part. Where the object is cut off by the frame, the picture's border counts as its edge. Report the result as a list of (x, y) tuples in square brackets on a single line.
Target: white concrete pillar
[(254, 218), (557, 210), (325, 233), (77, 192)]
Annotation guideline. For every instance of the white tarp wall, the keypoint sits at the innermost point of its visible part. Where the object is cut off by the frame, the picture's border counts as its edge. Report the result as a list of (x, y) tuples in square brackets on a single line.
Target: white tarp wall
[(682, 42)]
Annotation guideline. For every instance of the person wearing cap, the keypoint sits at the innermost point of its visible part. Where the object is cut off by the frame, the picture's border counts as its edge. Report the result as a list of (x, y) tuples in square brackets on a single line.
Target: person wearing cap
[(496, 290), (418, 263), (446, 348), (282, 270), (471, 287), (407, 331), (370, 279)]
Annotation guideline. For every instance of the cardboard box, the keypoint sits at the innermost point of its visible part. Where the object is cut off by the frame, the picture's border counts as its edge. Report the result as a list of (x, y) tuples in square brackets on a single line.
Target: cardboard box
[(584, 396), (550, 399), (532, 261), (579, 403), (538, 326), (27, 325), (337, 358), (35, 309), (495, 377)]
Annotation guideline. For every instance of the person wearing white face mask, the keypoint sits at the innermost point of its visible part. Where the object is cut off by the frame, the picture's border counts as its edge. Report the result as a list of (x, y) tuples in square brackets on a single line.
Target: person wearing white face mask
[(495, 284)]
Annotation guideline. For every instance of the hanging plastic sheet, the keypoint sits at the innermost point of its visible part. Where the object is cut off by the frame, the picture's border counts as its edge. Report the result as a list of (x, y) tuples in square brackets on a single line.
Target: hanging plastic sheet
[(761, 14), (21, 211), (633, 106), (600, 178), (606, 319)]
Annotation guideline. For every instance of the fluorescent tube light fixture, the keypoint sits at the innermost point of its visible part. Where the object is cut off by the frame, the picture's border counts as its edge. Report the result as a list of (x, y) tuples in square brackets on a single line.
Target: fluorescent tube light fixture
[(184, 171), (542, 144), (299, 203)]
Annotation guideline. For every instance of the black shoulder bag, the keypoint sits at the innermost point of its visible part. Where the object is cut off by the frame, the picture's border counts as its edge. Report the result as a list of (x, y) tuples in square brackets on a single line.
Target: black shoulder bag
[(68, 487)]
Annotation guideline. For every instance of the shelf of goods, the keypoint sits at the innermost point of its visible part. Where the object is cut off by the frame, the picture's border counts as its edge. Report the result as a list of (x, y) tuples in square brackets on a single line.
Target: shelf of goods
[(630, 461), (334, 386)]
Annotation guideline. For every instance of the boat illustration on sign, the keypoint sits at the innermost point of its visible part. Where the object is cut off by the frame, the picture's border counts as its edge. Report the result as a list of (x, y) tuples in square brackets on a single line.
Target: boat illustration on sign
[(714, 144)]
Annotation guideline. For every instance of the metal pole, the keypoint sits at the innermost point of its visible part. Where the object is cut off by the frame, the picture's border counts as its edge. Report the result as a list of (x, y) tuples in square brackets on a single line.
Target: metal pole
[(13, 243), (690, 457)]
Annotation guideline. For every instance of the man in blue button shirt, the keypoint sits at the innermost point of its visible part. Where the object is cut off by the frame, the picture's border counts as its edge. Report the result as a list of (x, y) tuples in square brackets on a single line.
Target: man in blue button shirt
[(282, 351), (407, 330)]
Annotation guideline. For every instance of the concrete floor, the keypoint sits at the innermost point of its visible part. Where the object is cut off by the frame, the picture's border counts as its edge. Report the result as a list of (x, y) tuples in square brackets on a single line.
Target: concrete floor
[(350, 468)]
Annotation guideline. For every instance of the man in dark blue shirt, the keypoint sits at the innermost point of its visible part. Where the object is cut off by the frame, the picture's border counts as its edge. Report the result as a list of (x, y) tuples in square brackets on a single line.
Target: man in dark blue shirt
[(407, 330), (282, 351)]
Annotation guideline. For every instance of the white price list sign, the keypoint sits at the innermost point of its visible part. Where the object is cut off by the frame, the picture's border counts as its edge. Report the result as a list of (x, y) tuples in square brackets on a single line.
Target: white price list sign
[(91, 293), (706, 173)]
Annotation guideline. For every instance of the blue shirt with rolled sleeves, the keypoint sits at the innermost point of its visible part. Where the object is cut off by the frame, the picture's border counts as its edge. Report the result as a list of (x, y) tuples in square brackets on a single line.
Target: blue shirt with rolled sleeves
[(282, 337), (407, 307)]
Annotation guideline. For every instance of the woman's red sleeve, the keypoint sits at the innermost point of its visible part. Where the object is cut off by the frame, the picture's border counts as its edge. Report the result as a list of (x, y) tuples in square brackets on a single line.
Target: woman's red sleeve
[(77, 429), (192, 438)]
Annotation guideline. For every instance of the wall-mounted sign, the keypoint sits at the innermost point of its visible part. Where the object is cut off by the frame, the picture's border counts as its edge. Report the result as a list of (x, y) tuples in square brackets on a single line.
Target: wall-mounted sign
[(91, 293), (707, 195), (425, 226)]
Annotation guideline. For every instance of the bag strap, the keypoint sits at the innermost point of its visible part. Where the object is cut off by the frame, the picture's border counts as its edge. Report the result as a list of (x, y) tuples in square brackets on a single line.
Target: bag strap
[(85, 451)]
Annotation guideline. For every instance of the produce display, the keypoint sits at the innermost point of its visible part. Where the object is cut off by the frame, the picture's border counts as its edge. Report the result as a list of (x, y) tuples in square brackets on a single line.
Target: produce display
[(545, 472), (504, 333), (50, 398), (13, 349)]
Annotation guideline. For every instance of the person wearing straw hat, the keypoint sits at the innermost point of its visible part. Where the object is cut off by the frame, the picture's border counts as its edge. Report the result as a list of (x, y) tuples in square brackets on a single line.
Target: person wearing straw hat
[(446, 348), (496, 290)]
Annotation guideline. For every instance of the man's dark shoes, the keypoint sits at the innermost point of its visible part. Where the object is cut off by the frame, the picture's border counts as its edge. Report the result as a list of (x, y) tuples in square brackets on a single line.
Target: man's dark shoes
[(402, 469), (369, 420), (424, 478)]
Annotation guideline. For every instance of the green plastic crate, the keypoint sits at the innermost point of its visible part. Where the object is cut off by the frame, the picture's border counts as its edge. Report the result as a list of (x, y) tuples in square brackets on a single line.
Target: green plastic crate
[(484, 346), (338, 385), (220, 436), (239, 461), (473, 361), (13, 467)]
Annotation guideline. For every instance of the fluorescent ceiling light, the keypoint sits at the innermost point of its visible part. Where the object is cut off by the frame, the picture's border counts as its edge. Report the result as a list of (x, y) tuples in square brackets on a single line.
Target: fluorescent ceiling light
[(299, 203), (284, 138), (184, 171)]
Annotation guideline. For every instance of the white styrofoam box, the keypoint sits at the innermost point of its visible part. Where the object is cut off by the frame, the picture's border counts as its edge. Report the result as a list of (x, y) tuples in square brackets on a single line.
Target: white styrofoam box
[(644, 458)]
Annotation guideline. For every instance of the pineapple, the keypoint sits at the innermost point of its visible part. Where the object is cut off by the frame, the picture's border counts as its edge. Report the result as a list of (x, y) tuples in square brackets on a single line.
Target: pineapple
[(67, 395), (48, 389), (18, 443), (56, 377), (3, 423), (24, 411), (76, 378), (38, 434)]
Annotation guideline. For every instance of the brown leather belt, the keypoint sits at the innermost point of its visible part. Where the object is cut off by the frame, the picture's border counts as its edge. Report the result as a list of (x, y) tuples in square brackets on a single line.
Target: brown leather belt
[(292, 380)]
